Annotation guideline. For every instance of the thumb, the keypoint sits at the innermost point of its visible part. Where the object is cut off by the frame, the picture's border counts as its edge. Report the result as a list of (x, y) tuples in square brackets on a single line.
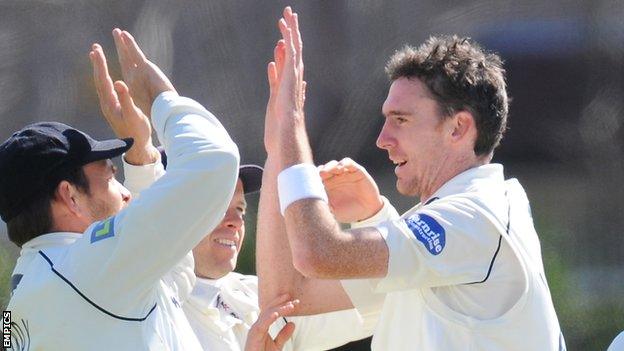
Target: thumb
[(128, 108)]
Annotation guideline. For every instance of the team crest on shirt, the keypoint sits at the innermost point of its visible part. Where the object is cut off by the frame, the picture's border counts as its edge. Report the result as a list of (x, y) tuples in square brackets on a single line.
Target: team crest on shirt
[(428, 231), (104, 229)]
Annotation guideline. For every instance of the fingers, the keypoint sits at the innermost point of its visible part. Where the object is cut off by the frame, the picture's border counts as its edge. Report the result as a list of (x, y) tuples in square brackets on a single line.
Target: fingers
[(279, 54), (122, 52), (128, 50), (102, 80), (272, 78), (128, 108), (284, 334), (278, 307), (292, 20), (325, 171), (335, 168), (100, 67), (289, 46), (133, 48), (297, 38)]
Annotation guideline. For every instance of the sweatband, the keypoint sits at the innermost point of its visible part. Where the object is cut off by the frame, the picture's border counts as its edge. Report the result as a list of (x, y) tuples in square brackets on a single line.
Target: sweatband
[(301, 181)]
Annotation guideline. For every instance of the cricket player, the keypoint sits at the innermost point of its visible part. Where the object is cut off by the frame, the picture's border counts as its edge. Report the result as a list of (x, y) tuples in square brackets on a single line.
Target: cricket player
[(460, 270), (91, 272)]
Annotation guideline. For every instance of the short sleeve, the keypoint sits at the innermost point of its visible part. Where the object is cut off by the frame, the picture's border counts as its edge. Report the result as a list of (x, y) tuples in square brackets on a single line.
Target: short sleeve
[(449, 242), (360, 291), (328, 330)]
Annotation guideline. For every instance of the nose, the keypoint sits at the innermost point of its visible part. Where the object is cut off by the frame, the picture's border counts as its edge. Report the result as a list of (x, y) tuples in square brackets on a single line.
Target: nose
[(385, 140), (126, 196), (233, 219)]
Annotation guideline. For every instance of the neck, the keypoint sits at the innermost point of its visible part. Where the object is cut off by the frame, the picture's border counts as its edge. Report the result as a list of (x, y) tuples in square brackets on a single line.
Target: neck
[(209, 275), (63, 221), (451, 167)]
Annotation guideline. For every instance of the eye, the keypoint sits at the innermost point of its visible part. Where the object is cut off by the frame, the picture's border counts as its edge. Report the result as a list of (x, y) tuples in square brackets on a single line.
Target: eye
[(400, 120), (242, 211)]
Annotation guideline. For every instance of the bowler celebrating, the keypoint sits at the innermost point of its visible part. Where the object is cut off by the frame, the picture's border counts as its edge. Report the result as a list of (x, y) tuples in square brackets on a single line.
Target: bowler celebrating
[(460, 270)]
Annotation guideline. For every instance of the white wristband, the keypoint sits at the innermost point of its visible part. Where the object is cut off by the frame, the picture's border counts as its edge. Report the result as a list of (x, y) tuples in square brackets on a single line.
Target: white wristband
[(301, 181)]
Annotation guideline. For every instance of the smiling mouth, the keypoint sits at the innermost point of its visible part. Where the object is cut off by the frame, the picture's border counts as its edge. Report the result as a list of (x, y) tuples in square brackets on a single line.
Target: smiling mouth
[(399, 163), (225, 242)]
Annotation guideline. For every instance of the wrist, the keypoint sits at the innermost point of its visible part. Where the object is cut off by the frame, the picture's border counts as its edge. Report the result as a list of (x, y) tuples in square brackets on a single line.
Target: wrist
[(376, 206), (142, 155), (301, 181)]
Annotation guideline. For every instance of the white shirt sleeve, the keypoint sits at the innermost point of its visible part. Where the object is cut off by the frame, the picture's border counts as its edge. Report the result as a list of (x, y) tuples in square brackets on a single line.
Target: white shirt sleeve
[(367, 301), (328, 330), (139, 178), (449, 242), (118, 261)]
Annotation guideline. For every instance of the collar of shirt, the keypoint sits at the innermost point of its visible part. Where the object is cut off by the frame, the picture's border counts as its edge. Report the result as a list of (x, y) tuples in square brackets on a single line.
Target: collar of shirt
[(206, 297), (229, 295), (462, 182), (49, 240)]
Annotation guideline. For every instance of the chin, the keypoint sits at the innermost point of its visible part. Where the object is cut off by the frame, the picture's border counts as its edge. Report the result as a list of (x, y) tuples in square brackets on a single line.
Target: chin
[(406, 189)]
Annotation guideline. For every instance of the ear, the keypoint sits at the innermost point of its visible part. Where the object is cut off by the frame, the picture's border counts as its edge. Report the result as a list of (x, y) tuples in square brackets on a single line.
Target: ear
[(66, 195), (463, 127)]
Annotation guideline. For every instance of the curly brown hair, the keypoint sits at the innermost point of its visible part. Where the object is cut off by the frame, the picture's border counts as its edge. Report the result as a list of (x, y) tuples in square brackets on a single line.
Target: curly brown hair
[(461, 76)]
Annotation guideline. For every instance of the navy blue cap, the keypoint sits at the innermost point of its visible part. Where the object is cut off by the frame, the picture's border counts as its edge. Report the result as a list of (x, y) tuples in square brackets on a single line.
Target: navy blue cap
[(250, 175), (30, 159)]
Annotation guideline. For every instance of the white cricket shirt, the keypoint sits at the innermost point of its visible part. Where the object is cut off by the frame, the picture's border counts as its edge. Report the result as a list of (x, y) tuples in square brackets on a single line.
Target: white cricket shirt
[(109, 288), (465, 272)]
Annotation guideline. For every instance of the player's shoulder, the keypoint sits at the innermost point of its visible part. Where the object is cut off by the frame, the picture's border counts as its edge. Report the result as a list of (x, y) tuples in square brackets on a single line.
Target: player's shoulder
[(463, 212)]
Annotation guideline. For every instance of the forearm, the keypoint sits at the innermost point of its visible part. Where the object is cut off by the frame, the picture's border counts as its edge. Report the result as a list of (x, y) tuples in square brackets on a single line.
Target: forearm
[(295, 146), (274, 264), (321, 249), (273, 260)]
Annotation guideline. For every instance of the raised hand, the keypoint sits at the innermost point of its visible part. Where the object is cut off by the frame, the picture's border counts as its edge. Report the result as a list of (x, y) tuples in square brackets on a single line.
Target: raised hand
[(271, 127), (124, 117), (291, 93), (284, 99), (259, 339), (352, 192), (143, 77)]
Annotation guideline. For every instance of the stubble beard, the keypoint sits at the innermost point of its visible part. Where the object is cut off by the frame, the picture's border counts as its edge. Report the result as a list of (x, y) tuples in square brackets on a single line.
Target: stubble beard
[(100, 210)]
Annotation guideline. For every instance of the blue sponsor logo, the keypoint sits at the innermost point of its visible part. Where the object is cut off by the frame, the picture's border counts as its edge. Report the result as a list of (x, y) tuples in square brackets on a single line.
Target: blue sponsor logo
[(427, 231), (104, 229)]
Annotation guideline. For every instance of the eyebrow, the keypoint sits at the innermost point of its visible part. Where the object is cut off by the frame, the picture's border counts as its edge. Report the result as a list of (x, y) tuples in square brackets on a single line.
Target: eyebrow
[(396, 113)]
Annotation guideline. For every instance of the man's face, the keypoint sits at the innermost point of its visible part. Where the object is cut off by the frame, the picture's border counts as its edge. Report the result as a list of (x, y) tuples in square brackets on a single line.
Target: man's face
[(414, 134), (106, 195), (216, 255)]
